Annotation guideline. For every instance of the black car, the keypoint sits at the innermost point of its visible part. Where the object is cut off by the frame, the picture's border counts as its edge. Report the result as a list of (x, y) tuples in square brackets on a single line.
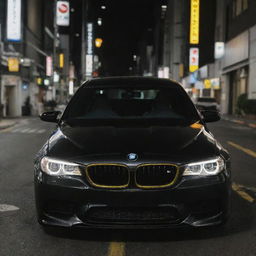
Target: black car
[(207, 103), (132, 153)]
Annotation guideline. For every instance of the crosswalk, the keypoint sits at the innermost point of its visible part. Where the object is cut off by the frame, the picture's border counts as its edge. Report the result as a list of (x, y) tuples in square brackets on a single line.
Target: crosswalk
[(28, 130)]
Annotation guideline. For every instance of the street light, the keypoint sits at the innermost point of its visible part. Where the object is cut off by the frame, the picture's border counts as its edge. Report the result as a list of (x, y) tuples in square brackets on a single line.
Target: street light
[(98, 42), (99, 21)]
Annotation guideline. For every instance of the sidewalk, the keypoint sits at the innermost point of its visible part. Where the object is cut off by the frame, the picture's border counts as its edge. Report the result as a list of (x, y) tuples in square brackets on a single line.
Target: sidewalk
[(240, 120), (7, 123)]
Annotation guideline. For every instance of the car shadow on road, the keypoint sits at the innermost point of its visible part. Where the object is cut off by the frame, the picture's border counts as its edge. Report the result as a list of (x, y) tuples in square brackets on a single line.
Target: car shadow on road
[(241, 220)]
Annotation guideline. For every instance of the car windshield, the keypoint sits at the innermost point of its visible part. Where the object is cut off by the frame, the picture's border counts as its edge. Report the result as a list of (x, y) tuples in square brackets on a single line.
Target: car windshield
[(152, 105), (210, 100)]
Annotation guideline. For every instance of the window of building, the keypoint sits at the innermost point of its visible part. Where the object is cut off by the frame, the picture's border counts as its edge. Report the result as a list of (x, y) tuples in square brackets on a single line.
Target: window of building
[(245, 5), (234, 9), (238, 7)]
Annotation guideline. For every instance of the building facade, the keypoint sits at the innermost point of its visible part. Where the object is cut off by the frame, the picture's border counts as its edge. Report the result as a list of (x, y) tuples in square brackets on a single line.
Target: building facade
[(26, 83), (239, 61), (23, 57)]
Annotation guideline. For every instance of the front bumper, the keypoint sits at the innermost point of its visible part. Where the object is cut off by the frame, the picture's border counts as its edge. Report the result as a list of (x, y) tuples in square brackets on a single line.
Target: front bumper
[(69, 202)]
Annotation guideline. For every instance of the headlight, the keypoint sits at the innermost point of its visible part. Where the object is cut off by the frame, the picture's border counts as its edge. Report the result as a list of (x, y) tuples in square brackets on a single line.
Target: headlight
[(204, 168), (59, 168)]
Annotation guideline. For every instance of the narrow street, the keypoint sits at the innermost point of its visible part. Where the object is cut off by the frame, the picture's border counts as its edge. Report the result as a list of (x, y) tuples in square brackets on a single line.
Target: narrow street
[(21, 234)]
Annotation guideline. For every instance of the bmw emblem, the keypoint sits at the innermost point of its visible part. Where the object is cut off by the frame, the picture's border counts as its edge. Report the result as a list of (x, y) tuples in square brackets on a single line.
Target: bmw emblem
[(132, 157)]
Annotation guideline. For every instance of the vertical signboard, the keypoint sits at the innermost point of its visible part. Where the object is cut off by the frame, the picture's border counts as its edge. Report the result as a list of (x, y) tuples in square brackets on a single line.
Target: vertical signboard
[(89, 50), (14, 20), (49, 66), (194, 21), (61, 60), (219, 50), (62, 13), (193, 59)]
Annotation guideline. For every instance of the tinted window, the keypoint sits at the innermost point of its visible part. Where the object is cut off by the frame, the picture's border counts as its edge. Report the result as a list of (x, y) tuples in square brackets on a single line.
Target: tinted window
[(131, 103), (210, 100)]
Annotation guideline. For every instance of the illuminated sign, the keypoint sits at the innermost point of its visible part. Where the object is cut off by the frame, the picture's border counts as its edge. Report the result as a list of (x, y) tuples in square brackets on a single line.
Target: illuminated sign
[(219, 50), (49, 66), (181, 70), (89, 50), (89, 39), (89, 65), (46, 82), (62, 13), (61, 60), (14, 20), (207, 84), (13, 65), (71, 87), (193, 59), (213, 83), (194, 21), (39, 81)]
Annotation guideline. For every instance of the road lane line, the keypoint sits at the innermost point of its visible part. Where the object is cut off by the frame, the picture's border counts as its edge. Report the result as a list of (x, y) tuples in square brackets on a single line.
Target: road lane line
[(245, 150), (8, 208), (238, 189), (31, 130), (116, 249), (24, 130), (15, 130), (41, 131)]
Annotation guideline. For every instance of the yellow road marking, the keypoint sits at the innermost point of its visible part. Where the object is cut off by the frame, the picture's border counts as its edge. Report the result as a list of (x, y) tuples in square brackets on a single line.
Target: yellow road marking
[(116, 249), (245, 150), (238, 189)]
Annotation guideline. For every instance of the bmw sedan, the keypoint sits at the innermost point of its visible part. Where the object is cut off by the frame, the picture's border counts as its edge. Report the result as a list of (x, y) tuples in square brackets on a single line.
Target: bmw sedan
[(132, 153)]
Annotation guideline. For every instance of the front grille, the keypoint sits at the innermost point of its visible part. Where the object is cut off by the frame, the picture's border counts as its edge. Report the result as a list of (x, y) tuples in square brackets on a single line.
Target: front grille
[(156, 175), (108, 175), (140, 215)]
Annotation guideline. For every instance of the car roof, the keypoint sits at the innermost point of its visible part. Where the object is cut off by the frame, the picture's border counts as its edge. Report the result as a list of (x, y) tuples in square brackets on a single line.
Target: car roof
[(131, 81)]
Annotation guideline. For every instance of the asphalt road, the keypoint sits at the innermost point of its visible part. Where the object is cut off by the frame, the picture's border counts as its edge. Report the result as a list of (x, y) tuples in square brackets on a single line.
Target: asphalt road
[(21, 235)]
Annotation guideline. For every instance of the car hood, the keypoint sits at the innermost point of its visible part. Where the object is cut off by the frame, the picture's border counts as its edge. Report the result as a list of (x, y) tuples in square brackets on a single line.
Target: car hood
[(92, 143)]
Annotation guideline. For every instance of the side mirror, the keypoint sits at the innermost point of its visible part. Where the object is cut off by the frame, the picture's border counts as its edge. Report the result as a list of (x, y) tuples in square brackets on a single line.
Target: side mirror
[(50, 116), (210, 115)]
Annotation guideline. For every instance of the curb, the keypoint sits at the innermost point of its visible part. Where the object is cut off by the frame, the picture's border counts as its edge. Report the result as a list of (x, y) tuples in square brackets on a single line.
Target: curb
[(3, 127), (241, 122)]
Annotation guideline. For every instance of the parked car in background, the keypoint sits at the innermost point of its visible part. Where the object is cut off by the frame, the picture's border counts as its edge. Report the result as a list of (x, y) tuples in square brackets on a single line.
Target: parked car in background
[(207, 103)]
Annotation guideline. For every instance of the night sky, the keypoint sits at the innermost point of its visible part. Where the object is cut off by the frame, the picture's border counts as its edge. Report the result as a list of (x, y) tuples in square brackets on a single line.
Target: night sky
[(124, 23)]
